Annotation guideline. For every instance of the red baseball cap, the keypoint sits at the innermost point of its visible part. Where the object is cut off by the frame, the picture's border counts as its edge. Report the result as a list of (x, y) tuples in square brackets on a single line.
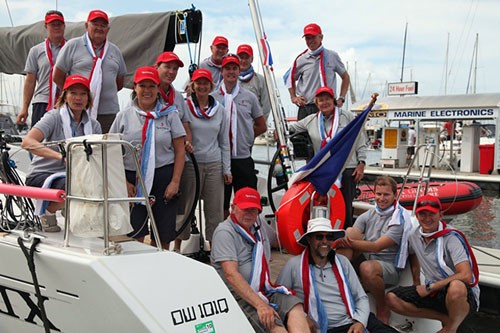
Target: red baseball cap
[(220, 40), (312, 29), (97, 14), (202, 73), (428, 202), (76, 79), (168, 57), (247, 197), (325, 89), (230, 60), (146, 73), (54, 15), (245, 48)]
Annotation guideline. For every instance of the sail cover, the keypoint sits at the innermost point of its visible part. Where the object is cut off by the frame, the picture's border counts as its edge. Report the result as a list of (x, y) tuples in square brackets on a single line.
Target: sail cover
[(140, 37)]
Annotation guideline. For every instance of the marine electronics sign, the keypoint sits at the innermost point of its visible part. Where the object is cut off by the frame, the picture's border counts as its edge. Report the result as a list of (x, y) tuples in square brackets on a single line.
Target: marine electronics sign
[(444, 114), (402, 88)]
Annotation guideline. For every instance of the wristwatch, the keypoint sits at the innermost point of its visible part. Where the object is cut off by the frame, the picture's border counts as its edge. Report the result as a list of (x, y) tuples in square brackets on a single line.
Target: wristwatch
[(342, 98), (428, 287), (362, 162)]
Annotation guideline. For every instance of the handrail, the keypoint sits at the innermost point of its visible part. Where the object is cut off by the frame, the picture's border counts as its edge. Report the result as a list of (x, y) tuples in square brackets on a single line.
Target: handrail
[(105, 198)]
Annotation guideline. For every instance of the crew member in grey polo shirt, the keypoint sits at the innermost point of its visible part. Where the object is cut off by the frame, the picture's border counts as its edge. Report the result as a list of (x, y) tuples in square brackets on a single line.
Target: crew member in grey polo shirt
[(445, 258), (219, 49), (327, 281), (246, 122), (38, 86), (251, 80), (107, 75), (313, 68)]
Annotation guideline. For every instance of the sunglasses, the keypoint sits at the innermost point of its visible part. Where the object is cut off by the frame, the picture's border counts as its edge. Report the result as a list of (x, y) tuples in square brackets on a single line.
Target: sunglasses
[(51, 12), (320, 237), (433, 204)]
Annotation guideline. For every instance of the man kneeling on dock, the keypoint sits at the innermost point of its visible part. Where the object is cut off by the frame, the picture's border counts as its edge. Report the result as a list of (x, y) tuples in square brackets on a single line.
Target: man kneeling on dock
[(241, 249), (451, 274)]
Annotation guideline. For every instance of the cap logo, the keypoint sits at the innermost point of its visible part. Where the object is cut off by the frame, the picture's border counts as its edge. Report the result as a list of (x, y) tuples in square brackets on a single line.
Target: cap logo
[(250, 196)]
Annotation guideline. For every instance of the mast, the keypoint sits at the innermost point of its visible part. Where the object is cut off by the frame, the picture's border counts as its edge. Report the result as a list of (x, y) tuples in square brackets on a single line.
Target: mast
[(404, 50), (473, 68), (446, 65), (285, 145)]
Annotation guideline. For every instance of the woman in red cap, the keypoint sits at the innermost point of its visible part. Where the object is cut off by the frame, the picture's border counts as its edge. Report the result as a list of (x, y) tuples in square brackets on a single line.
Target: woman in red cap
[(69, 119), (322, 127), (210, 145), (156, 127)]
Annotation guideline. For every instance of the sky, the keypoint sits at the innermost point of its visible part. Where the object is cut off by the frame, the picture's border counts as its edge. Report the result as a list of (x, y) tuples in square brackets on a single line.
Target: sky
[(368, 35)]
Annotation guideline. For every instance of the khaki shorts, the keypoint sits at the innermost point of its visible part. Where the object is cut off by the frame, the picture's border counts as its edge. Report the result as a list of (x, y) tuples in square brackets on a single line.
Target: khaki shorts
[(285, 303)]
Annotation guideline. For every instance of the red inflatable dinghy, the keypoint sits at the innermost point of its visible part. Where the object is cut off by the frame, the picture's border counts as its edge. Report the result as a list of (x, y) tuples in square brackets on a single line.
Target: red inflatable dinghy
[(456, 197)]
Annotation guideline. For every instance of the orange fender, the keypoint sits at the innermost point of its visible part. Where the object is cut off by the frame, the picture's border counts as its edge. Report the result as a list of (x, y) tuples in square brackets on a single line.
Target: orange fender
[(294, 212)]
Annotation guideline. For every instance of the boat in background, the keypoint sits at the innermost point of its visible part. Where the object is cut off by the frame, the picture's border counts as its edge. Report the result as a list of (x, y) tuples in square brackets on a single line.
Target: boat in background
[(456, 197)]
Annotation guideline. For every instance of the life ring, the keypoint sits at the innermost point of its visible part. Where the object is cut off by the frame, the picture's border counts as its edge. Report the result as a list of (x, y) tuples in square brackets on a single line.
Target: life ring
[(294, 212)]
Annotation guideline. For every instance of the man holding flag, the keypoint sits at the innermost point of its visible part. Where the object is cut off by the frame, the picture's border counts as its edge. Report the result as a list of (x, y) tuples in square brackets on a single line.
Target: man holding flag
[(323, 127)]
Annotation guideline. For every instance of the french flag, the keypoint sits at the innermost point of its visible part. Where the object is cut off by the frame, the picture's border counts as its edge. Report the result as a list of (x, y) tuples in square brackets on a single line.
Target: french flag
[(268, 58), (327, 165)]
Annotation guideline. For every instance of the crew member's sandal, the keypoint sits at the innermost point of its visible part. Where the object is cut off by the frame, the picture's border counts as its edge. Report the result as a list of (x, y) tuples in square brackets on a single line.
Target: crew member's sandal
[(49, 223)]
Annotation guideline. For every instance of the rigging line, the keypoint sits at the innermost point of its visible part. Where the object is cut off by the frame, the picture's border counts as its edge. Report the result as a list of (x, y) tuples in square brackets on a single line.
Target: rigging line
[(468, 24), (8, 11)]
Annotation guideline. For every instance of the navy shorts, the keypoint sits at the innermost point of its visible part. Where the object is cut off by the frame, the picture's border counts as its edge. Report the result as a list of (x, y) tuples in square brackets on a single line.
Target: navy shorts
[(38, 110), (435, 301), (243, 172), (37, 180), (164, 213)]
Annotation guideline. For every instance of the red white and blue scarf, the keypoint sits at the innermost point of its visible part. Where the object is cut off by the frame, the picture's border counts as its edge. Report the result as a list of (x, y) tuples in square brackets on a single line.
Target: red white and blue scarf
[(202, 113), (313, 305), (260, 280), (168, 96), (289, 76), (443, 231), (147, 159), (247, 75), (324, 136)]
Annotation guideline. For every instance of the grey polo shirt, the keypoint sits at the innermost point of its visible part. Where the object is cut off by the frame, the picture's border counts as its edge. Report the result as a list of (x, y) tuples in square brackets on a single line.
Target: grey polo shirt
[(74, 58), (167, 128), (51, 127), (257, 85), (211, 138), (374, 226), (248, 109), (454, 254), (229, 245), (307, 73), (38, 64), (328, 290)]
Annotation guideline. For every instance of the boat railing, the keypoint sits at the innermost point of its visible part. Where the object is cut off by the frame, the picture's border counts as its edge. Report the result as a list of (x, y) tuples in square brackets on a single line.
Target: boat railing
[(105, 199), (424, 175)]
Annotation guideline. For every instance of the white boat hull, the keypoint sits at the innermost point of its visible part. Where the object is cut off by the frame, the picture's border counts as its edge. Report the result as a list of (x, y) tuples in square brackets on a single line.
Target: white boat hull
[(139, 290)]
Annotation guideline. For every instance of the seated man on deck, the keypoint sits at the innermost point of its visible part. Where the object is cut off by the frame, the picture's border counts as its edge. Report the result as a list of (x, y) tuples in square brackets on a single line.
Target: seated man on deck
[(374, 243), (448, 264), (333, 296), (241, 249)]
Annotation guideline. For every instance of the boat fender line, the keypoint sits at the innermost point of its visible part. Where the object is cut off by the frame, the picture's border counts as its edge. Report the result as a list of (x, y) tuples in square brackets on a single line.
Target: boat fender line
[(295, 211), (31, 265)]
